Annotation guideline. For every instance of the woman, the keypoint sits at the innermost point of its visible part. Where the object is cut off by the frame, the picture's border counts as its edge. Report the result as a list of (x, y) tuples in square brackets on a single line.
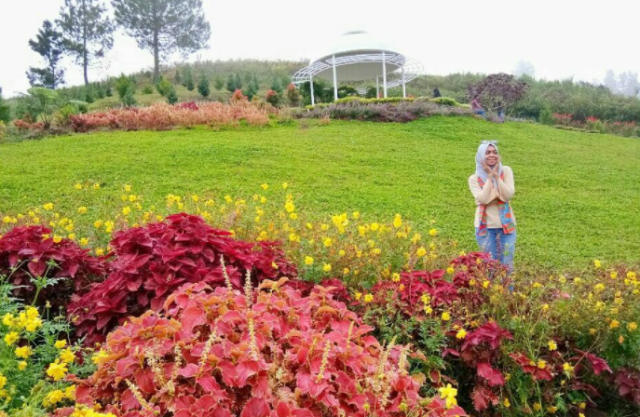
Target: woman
[(492, 187), (476, 107)]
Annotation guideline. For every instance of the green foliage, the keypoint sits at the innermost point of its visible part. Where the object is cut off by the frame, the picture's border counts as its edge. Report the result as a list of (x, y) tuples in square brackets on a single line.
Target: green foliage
[(88, 33), (218, 83), (148, 90), (156, 28), (546, 116), (252, 87), (276, 86), (293, 96), (238, 81), (347, 91), (51, 45), (188, 79), (203, 87), (164, 86), (231, 84), (42, 104), (5, 110), (445, 101), (172, 97), (124, 85), (177, 78), (129, 100)]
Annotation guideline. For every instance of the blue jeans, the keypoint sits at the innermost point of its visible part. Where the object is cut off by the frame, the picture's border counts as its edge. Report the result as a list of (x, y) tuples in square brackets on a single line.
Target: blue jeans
[(500, 245)]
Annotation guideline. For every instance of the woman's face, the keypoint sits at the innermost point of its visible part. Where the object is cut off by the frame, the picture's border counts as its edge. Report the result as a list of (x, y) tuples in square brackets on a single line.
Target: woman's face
[(491, 155)]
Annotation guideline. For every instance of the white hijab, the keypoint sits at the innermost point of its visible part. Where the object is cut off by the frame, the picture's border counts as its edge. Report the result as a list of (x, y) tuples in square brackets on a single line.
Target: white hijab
[(480, 158)]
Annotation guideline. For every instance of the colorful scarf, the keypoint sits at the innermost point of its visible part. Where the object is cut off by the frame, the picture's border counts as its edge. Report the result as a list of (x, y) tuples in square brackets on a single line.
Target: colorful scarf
[(508, 226)]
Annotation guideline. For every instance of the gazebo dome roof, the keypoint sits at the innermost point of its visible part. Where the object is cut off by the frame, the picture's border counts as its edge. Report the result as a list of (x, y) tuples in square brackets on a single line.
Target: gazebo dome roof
[(352, 43)]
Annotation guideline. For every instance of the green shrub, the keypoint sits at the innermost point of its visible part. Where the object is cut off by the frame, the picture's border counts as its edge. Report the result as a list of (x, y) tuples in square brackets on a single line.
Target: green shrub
[(172, 97), (546, 116), (147, 90), (203, 87), (129, 100), (219, 83), (64, 112), (445, 101), (124, 85), (164, 86)]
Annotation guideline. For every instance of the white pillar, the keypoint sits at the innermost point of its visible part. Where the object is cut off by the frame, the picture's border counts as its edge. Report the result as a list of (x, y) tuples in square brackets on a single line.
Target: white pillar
[(384, 74), (313, 98), (404, 86), (335, 79), (377, 87)]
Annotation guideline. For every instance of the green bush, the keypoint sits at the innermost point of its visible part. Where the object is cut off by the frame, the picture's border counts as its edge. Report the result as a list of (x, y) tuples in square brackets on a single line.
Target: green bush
[(124, 85), (546, 116), (172, 97), (147, 90), (164, 86), (203, 87), (129, 100), (445, 101)]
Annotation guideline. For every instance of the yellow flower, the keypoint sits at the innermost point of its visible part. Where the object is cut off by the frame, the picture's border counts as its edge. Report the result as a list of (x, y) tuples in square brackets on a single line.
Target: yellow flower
[(72, 236), (542, 364), (631, 275), (60, 344), (100, 357), (48, 206), (308, 260), (327, 242), (265, 186), (632, 326), (11, 338), (22, 365), (53, 398), (23, 352), (57, 370), (597, 263), (374, 227), (99, 251), (342, 252), (580, 414), (126, 210), (552, 345), (326, 268), (357, 296), (78, 186), (356, 215), (84, 241), (614, 324), (537, 407), (552, 409), (395, 277), (8, 320), (613, 274), (448, 394), (450, 270), (67, 356), (485, 284), (70, 392), (421, 252), (506, 403), (293, 216), (582, 406), (446, 316), (567, 367), (82, 210), (96, 186), (397, 221), (57, 239), (598, 287), (368, 298), (290, 207), (545, 307), (433, 232), (462, 333)]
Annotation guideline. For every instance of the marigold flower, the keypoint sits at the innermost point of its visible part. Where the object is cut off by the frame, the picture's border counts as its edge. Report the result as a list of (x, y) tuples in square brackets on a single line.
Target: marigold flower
[(22, 365), (506, 403), (542, 364), (433, 232), (326, 267), (96, 186), (24, 352), (53, 398), (632, 326), (48, 206), (614, 324), (308, 260), (82, 210), (11, 338), (265, 186), (613, 274), (397, 221), (395, 277), (78, 186), (327, 242), (57, 370), (597, 263), (450, 270), (67, 356), (552, 345), (446, 316), (462, 333), (357, 296), (368, 298), (290, 207)]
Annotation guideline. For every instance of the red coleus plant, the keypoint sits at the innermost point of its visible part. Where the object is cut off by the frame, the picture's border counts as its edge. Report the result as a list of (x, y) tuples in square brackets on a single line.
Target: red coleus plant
[(29, 252), (274, 353), (151, 262)]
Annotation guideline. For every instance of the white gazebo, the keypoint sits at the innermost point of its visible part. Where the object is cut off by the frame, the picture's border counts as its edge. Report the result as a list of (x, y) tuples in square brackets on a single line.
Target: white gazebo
[(356, 56)]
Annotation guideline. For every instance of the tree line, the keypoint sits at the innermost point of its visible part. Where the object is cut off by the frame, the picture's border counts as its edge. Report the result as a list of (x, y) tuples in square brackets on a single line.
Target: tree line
[(84, 31)]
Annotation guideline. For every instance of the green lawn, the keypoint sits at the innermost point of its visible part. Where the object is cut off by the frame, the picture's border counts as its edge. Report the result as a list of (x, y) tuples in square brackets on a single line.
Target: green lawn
[(577, 194)]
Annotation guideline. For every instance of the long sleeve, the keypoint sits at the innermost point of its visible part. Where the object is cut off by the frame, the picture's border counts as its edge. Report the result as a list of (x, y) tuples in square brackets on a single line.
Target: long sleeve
[(482, 195), (507, 188)]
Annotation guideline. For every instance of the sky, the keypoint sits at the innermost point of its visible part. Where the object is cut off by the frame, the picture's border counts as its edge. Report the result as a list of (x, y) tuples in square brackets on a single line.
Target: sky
[(561, 38)]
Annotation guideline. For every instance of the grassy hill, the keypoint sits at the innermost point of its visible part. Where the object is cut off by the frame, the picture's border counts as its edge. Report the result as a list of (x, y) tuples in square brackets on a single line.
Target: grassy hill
[(577, 198)]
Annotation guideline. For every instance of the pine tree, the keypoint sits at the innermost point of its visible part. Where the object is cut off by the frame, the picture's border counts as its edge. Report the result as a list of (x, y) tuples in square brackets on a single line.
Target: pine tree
[(50, 45), (203, 87), (231, 84), (238, 81), (276, 85), (87, 32), (219, 82), (164, 26), (188, 79)]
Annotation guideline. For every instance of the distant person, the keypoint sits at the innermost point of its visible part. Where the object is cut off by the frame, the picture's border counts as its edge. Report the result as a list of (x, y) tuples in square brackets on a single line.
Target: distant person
[(436, 93), (476, 107), (500, 110), (493, 188)]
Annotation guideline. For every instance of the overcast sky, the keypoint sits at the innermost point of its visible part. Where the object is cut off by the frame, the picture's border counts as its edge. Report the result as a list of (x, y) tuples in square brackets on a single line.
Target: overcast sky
[(561, 38)]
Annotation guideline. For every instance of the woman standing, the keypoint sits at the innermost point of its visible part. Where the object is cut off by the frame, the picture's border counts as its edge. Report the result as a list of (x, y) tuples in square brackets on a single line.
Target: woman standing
[(492, 187)]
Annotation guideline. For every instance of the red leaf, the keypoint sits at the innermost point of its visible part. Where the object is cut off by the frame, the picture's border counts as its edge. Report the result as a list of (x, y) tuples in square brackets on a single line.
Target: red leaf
[(255, 407)]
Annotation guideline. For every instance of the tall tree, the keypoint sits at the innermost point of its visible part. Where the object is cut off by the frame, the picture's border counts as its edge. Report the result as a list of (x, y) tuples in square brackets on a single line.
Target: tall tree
[(87, 31), (50, 44), (164, 26)]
